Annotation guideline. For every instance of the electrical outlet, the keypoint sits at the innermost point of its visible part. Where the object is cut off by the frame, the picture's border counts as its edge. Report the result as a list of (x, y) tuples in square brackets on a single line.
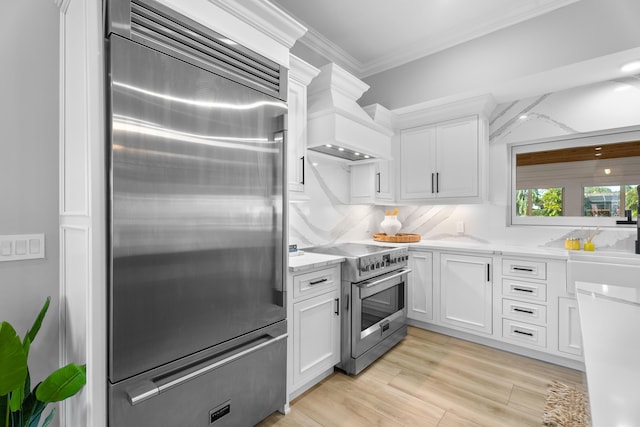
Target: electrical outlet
[(460, 227)]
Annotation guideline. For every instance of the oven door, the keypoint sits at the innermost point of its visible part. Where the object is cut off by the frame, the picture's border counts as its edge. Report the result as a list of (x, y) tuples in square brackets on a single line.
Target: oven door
[(379, 309)]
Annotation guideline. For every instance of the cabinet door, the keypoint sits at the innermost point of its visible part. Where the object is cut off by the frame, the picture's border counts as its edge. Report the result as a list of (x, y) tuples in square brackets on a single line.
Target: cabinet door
[(417, 158), (421, 286), (466, 292), (362, 184), (383, 181), (569, 334), (297, 135), (316, 336), (457, 158)]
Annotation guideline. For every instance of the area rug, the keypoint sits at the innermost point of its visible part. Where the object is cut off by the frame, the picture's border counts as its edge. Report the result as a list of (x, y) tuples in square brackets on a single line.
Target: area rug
[(566, 406)]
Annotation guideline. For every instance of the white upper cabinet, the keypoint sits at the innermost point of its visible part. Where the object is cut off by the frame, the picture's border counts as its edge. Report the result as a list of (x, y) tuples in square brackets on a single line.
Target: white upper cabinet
[(457, 158), (440, 161), (300, 76), (418, 160)]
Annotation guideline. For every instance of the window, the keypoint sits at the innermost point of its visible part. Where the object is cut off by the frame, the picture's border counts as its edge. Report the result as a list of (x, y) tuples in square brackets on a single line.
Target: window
[(539, 202), (610, 200)]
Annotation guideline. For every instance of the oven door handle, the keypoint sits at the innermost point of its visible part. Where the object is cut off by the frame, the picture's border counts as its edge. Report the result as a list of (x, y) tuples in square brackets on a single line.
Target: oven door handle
[(367, 285)]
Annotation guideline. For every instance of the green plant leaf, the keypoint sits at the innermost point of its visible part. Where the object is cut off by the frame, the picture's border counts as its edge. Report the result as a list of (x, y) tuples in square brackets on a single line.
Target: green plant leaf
[(46, 421), (31, 333), (32, 409), (13, 360), (62, 383)]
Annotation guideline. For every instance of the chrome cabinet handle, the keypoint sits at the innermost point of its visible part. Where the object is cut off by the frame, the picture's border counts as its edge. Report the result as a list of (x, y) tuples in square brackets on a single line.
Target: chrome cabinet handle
[(318, 281), (527, 269), (378, 189), (523, 290), (522, 310), (149, 388), (302, 158), (384, 279), (529, 334), (337, 311)]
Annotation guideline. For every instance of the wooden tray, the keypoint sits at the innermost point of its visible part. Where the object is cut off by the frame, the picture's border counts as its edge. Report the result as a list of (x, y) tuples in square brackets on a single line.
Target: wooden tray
[(398, 238)]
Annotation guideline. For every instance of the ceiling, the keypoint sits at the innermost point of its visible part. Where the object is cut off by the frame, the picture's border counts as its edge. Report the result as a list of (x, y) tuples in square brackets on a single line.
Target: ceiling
[(371, 36)]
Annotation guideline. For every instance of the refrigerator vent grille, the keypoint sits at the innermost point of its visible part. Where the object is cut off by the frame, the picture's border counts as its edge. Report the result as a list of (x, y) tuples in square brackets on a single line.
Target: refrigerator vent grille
[(159, 27)]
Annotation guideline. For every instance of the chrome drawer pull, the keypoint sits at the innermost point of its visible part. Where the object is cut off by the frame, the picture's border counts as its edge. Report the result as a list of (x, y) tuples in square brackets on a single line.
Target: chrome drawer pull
[(523, 290), (318, 281), (522, 310), (516, 268), (529, 334), (149, 389)]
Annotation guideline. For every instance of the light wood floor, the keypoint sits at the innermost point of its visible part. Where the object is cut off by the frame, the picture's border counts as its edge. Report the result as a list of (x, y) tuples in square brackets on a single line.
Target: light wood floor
[(432, 380)]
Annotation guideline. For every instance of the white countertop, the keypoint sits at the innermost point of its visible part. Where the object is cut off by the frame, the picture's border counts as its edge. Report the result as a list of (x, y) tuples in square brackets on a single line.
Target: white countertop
[(308, 261), (609, 317), (488, 248)]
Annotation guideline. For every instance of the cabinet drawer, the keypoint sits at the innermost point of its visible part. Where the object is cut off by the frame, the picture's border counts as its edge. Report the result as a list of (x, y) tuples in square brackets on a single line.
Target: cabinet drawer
[(521, 289), (315, 282), (524, 332), (524, 268), (525, 311)]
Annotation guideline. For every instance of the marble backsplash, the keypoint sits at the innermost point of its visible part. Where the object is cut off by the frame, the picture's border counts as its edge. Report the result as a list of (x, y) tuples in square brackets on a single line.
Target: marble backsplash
[(326, 216)]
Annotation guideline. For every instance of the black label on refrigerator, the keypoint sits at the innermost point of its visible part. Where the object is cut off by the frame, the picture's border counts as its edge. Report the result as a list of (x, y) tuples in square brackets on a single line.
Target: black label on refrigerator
[(219, 412)]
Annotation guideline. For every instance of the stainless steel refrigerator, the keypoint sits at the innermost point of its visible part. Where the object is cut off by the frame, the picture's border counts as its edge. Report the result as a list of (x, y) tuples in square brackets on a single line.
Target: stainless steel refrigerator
[(197, 324)]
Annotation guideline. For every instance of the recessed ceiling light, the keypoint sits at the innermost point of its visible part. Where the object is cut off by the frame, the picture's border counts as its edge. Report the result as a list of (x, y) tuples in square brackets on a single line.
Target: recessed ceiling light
[(607, 171), (366, 157), (328, 145), (357, 154), (630, 66), (340, 149), (522, 117)]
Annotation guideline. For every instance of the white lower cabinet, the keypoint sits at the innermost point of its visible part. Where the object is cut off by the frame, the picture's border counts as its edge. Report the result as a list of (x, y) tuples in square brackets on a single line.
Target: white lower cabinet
[(316, 336), (314, 326), (569, 332), (420, 292), (466, 294), (529, 307)]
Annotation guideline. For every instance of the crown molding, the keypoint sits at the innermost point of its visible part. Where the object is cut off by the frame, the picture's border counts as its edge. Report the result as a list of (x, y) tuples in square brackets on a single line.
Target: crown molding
[(266, 18), (427, 47), (443, 109), (320, 44), (301, 71), (334, 53)]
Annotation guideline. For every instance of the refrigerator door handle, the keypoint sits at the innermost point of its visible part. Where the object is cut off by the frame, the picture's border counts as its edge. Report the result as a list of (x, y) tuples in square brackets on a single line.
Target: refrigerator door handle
[(148, 388)]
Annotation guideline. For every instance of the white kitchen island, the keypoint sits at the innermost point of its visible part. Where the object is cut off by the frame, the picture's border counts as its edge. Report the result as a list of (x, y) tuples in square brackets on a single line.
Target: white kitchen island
[(610, 315)]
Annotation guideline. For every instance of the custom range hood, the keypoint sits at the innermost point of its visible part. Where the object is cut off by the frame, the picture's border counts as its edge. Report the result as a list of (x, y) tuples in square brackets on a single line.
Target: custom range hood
[(337, 125)]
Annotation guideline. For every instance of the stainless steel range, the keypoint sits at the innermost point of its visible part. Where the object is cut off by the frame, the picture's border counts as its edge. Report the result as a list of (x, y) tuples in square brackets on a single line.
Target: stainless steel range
[(374, 301)]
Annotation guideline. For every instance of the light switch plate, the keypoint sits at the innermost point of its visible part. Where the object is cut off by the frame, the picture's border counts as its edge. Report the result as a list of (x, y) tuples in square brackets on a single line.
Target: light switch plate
[(18, 247)]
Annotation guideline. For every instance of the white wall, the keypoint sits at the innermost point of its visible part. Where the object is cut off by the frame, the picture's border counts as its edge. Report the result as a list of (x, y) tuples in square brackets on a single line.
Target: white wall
[(581, 31), (29, 169)]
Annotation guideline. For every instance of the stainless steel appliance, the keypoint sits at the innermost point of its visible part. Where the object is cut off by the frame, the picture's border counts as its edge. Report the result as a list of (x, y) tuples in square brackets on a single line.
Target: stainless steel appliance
[(374, 298), (197, 323)]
